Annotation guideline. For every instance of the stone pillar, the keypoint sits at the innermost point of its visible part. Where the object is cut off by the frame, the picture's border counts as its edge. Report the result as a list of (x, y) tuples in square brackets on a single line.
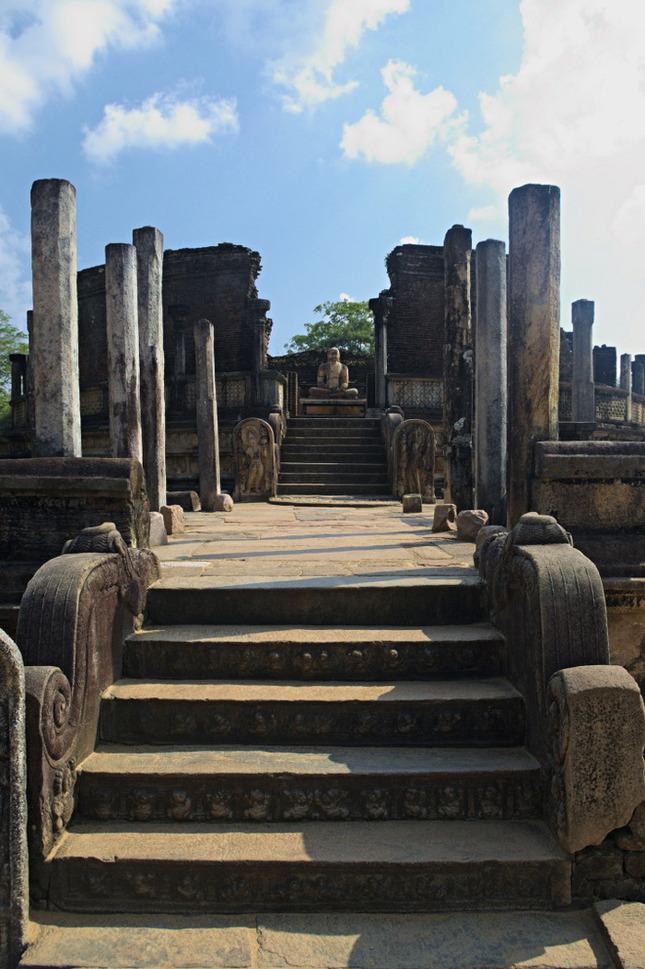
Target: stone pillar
[(534, 333), (638, 378), (626, 382), (54, 337), (458, 370), (583, 408), (148, 243), (206, 406), (490, 381), (381, 308), (123, 350)]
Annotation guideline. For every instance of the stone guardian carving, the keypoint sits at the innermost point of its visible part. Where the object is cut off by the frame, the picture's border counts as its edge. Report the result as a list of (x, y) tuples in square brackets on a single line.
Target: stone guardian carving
[(255, 460), (413, 460)]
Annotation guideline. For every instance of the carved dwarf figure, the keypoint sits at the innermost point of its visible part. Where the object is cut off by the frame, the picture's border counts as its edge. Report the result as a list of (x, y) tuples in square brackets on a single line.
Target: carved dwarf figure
[(333, 378)]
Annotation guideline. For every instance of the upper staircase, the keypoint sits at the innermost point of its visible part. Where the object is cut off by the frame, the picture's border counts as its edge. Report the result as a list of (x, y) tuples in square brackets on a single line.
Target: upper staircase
[(331, 456)]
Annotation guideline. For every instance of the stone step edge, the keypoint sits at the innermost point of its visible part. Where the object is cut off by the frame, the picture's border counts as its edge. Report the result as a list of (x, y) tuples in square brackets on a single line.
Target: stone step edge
[(419, 866)]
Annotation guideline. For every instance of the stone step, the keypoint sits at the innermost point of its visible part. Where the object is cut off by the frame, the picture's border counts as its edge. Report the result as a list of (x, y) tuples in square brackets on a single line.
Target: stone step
[(341, 434), (313, 652), (307, 784), (450, 596), (297, 423), (339, 479), (441, 713), (419, 866), (335, 490), (332, 452), (478, 940), (341, 470)]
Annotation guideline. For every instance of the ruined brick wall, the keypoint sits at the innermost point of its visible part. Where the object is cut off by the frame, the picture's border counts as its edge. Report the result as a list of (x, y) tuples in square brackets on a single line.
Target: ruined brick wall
[(415, 333), (212, 283)]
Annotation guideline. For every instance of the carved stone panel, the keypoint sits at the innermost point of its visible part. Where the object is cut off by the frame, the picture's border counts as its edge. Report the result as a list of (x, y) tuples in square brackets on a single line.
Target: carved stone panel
[(254, 456), (14, 891), (413, 460)]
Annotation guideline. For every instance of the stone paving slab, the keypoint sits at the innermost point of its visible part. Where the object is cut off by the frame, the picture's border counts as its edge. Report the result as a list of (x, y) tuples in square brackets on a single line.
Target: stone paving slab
[(287, 539), (624, 927), (531, 940)]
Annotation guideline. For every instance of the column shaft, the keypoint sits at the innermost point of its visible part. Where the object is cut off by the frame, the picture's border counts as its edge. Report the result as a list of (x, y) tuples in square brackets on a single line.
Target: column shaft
[(458, 369), (534, 333), (54, 334), (490, 381), (123, 351), (207, 429), (582, 387), (148, 243)]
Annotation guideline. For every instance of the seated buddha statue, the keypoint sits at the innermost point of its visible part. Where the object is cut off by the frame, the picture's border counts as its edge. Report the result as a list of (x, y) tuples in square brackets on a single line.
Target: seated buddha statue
[(333, 378)]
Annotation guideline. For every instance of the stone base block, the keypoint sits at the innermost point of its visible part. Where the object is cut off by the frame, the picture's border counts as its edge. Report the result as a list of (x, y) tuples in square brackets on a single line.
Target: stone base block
[(351, 407), (173, 518), (411, 503), (188, 500)]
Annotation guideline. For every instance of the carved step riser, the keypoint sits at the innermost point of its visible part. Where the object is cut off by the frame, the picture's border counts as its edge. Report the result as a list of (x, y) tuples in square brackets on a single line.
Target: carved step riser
[(346, 469), (370, 605), (340, 488), (192, 886), (231, 798), (395, 723), (176, 660)]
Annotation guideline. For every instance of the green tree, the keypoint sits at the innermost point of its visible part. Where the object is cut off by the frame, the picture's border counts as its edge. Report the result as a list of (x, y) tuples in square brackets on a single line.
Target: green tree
[(12, 340), (345, 324)]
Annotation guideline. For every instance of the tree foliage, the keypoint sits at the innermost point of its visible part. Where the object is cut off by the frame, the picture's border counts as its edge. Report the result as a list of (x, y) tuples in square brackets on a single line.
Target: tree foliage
[(12, 340), (345, 324)]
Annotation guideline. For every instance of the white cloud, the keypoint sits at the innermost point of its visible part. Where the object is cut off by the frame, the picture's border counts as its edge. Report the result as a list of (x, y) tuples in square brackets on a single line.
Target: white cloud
[(409, 124), (484, 213), (410, 240), (46, 46), (162, 121), (15, 272), (574, 116), (309, 78)]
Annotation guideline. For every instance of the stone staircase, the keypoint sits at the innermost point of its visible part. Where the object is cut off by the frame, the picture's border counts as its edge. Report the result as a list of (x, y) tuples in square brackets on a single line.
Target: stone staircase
[(371, 765), (333, 455)]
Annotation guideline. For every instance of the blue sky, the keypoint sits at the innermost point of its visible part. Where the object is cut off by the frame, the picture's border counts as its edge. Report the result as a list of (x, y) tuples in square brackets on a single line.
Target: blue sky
[(324, 132)]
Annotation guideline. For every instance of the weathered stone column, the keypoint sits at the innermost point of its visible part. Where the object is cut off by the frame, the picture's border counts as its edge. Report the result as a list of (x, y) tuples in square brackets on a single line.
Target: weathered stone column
[(534, 333), (458, 369), (381, 307), (490, 381), (206, 405), (54, 336), (638, 378), (626, 382), (123, 350), (148, 243), (583, 408)]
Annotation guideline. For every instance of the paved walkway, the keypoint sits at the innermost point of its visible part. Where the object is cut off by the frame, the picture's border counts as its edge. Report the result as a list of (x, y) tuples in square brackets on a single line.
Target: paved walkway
[(262, 541)]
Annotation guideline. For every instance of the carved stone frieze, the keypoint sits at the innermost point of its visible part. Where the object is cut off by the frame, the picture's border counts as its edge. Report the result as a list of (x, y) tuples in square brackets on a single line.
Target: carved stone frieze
[(373, 661), (189, 886), (227, 798), (179, 721), (14, 888)]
